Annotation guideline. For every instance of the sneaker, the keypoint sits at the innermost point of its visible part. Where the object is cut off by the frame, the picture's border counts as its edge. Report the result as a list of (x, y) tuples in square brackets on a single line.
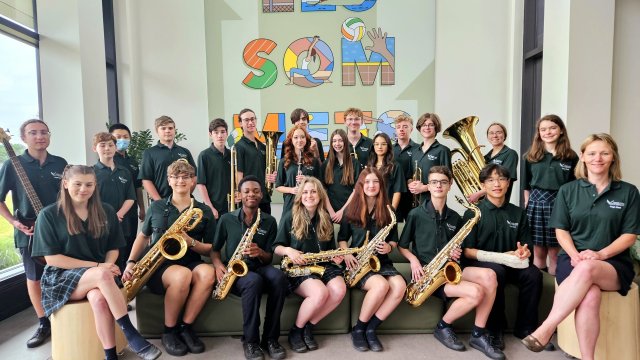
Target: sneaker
[(483, 343), (252, 351), (497, 339), (359, 340), (307, 336), (274, 349), (449, 339), (150, 352), (173, 345), (189, 337), (41, 335), (296, 342)]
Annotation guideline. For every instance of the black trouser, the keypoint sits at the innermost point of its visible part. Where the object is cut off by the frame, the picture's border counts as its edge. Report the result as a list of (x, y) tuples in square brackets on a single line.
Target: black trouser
[(251, 287), (529, 283)]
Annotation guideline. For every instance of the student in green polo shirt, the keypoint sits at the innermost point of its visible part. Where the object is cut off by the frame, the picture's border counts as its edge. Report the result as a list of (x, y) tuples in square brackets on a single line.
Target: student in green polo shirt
[(156, 159), (428, 229), (261, 277), (596, 222), (79, 237), (214, 169), (115, 186), (429, 153), (44, 172), (549, 163), (297, 163), (502, 233), (186, 283), (339, 176), (359, 145), (383, 160), (251, 156), (403, 151)]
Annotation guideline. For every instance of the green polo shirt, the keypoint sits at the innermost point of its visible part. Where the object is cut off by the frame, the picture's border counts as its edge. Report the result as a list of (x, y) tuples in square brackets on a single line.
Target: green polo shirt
[(338, 193), (506, 157), (287, 177), (548, 173), (499, 228), (155, 161), (596, 220), (252, 161), (362, 149), (214, 172), (52, 237), (358, 234), (115, 187), (404, 156), (162, 214), (309, 245), (395, 181), (427, 231), (130, 164), (231, 227), (45, 180)]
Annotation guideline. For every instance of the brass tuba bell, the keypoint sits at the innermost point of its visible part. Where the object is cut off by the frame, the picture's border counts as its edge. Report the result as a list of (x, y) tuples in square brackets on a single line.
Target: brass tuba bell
[(466, 171)]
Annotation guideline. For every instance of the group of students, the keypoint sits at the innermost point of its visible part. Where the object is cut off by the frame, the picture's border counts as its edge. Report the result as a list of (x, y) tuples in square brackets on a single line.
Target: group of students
[(84, 232)]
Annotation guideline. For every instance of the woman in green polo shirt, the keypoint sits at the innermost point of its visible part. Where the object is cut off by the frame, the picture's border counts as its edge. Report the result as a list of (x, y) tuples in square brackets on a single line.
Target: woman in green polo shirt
[(367, 216), (596, 221), (79, 237), (297, 163), (339, 176), (549, 163), (389, 167)]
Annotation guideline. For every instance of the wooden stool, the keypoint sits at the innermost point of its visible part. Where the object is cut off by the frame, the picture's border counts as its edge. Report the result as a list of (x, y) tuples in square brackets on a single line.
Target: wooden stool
[(73, 333), (619, 328)]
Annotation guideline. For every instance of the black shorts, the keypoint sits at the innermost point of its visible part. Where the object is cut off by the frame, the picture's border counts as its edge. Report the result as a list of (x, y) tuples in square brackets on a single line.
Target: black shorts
[(32, 269), (623, 268), (386, 270), (155, 282)]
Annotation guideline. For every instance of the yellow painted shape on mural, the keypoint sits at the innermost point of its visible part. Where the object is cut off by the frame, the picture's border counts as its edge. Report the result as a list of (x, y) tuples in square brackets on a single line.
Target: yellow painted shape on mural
[(290, 60)]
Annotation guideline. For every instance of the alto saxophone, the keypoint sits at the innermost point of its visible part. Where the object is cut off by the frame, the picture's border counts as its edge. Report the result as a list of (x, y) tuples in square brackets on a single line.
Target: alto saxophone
[(367, 260), (171, 246), (417, 176), (441, 269), (312, 259), (236, 266)]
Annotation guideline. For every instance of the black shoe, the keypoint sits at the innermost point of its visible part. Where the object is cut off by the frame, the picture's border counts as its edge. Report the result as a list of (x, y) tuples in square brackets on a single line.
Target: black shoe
[(41, 335), (307, 336), (497, 339), (189, 337), (252, 351), (173, 345), (483, 343), (296, 342), (359, 340), (274, 349), (150, 352), (373, 341), (449, 339)]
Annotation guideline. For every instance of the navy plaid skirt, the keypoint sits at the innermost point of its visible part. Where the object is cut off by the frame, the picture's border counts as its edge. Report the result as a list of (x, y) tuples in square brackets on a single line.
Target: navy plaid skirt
[(331, 271), (538, 212), (386, 270), (57, 285)]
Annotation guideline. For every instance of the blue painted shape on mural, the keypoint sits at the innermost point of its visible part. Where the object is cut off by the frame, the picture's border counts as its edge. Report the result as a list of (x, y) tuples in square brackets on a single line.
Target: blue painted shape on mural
[(363, 6), (310, 6), (322, 134), (353, 51), (319, 118)]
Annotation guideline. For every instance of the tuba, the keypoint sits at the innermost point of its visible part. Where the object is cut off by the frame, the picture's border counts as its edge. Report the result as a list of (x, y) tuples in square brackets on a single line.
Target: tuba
[(236, 266), (171, 246), (466, 171), (231, 197), (271, 142), (417, 176), (441, 269), (312, 259)]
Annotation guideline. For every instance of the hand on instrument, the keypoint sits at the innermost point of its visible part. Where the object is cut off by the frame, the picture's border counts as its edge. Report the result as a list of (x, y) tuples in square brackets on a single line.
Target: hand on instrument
[(220, 271), (522, 252), (350, 261), (455, 253), (473, 198), (128, 272), (416, 270), (296, 256), (383, 248), (272, 177), (337, 259), (27, 230), (414, 187), (252, 251)]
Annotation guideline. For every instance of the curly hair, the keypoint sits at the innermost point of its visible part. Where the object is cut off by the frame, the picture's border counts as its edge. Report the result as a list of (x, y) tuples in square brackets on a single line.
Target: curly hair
[(290, 155)]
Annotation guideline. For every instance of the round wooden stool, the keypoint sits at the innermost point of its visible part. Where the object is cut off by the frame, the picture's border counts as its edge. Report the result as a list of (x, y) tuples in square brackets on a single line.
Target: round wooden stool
[(619, 328), (73, 333)]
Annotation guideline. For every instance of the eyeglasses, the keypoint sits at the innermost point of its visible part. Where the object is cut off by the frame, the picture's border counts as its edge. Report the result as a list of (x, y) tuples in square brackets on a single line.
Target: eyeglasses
[(492, 133), (429, 126), (35, 133), (441, 182), (183, 177), (252, 119), (501, 179)]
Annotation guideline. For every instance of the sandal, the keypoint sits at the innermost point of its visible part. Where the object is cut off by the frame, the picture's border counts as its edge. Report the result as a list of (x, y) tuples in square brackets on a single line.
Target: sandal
[(533, 344)]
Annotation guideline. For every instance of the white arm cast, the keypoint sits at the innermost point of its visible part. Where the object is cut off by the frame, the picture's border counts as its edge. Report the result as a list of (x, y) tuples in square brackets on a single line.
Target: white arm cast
[(503, 259)]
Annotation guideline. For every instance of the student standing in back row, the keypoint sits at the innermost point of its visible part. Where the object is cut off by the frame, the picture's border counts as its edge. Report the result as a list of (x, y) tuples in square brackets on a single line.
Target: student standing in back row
[(359, 145), (214, 170)]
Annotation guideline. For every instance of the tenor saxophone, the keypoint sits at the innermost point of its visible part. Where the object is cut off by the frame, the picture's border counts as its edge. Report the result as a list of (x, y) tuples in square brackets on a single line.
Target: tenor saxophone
[(312, 259), (236, 266), (367, 260), (171, 246), (441, 269)]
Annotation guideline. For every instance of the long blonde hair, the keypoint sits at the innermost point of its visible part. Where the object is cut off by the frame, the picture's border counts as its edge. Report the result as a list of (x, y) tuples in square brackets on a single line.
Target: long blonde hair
[(300, 216), (97, 218), (615, 172)]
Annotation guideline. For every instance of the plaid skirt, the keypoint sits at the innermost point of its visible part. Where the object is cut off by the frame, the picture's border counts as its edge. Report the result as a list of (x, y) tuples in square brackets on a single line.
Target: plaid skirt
[(331, 271), (386, 270), (57, 285), (538, 213)]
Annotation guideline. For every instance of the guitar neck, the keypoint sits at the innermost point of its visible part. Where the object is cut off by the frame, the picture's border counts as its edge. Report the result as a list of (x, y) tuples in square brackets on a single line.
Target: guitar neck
[(24, 180)]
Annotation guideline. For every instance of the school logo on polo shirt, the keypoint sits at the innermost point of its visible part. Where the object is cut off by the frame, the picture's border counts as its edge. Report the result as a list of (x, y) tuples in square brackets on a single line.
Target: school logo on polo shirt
[(133, 167), (432, 157), (451, 227), (497, 161), (565, 166), (364, 148), (261, 232), (122, 180), (409, 153), (182, 155), (309, 167), (56, 175), (615, 204), (513, 225)]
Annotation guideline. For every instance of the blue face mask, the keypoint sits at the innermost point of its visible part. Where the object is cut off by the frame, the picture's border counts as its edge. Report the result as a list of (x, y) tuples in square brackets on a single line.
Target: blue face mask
[(122, 144)]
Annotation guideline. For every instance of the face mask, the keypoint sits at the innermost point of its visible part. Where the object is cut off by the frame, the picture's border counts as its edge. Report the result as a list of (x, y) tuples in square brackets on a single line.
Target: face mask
[(122, 144)]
